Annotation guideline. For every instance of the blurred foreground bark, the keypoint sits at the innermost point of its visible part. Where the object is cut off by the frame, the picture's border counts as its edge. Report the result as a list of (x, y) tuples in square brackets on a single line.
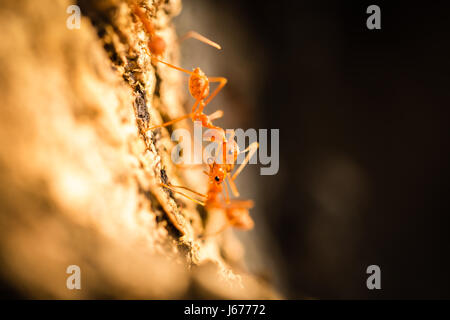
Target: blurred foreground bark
[(79, 177)]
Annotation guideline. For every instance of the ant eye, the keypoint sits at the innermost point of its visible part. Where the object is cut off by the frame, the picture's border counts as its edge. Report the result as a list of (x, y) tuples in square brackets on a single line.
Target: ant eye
[(217, 178)]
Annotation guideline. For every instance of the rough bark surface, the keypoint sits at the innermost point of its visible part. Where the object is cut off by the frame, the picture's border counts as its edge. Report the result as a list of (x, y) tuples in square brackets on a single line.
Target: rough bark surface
[(80, 177)]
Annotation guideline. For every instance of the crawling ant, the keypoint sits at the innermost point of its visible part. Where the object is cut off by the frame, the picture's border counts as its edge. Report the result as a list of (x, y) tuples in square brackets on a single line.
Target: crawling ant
[(198, 81), (236, 211), (199, 90)]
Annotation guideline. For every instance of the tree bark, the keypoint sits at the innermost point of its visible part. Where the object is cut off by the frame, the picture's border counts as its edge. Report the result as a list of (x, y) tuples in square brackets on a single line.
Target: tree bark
[(80, 177)]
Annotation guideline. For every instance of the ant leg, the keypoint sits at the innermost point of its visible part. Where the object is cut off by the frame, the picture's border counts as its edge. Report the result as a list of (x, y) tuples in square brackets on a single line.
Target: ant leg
[(233, 187), (227, 196), (215, 233), (251, 151), (245, 204), (195, 106), (168, 123), (173, 66), (222, 82), (198, 36), (190, 190), (148, 26), (251, 148), (217, 133), (188, 166), (216, 115), (172, 188)]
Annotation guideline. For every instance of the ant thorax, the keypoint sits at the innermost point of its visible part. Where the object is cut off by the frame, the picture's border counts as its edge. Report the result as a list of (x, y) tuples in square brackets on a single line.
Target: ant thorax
[(198, 84)]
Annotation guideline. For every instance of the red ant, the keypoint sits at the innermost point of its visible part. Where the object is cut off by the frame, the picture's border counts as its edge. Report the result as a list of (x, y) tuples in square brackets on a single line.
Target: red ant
[(237, 211), (199, 90), (198, 81)]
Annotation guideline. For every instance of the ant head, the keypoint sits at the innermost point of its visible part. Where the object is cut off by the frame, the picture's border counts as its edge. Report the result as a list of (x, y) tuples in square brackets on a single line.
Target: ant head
[(217, 173), (198, 84), (157, 45)]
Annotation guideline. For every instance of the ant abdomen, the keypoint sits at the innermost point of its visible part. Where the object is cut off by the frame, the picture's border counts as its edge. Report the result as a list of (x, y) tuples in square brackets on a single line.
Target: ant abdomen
[(157, 45), (240, 218), (198, 84)]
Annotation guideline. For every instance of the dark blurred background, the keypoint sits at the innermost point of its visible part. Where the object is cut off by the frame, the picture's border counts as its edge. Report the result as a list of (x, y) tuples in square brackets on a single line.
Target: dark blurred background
[(363, 117)]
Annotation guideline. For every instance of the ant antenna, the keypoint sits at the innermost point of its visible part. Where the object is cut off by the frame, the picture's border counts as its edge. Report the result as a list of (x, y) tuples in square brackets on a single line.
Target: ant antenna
[(251, 151), (198, 36), (172, 188)]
